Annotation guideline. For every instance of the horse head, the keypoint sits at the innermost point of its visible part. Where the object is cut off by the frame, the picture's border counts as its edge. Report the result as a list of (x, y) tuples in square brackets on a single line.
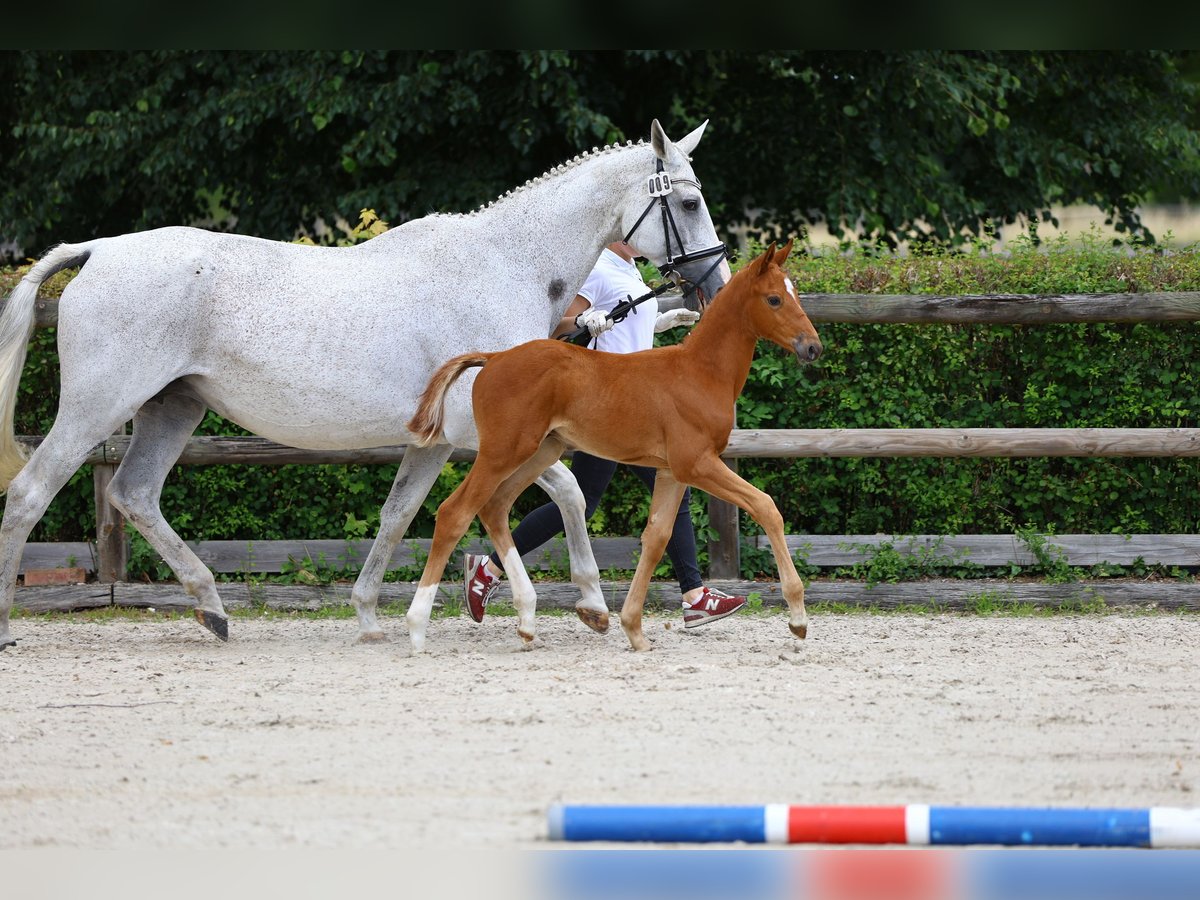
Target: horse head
[(670, 225), (773, 308)]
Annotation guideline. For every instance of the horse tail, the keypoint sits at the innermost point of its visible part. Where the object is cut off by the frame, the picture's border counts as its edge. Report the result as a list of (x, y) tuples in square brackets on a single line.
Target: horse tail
[(16, 327), (426, 425)]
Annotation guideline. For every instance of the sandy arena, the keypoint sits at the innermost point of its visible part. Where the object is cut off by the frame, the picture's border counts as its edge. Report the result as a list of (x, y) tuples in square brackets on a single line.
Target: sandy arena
[(151, 734)]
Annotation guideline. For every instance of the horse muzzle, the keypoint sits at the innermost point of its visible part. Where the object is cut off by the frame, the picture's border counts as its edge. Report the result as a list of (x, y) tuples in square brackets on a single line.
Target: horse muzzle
[(807, 349)]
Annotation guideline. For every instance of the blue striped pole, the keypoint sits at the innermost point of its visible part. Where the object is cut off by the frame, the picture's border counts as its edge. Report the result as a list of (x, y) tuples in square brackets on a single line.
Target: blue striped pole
[(915, 824)]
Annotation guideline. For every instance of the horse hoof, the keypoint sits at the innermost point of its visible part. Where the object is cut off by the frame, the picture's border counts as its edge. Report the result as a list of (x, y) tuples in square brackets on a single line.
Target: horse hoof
[(800, 631), (371, 637), (593, 619), (217, 624), (526, 636), (10, 642)]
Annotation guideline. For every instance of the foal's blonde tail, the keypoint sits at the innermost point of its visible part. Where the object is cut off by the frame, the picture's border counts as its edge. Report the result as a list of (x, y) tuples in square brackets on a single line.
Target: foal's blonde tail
[(16, 327), (426, 425)]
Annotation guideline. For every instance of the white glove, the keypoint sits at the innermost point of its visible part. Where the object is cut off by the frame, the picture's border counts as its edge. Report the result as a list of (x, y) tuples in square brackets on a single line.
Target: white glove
[(595, 321), (673, 318)]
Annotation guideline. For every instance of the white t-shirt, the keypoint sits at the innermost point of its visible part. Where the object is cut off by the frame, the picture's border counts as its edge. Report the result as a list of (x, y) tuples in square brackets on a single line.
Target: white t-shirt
[(611, 281)]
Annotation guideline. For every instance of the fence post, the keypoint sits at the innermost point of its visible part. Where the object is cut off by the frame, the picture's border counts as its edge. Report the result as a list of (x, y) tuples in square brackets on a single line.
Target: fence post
[(725, 549), (112, 545)]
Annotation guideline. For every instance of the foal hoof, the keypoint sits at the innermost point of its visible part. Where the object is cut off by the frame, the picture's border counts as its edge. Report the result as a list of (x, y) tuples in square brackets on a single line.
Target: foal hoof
[(800, 631), (526, 636), (10, 642), (593, 619), (371, 637), (217, 624)]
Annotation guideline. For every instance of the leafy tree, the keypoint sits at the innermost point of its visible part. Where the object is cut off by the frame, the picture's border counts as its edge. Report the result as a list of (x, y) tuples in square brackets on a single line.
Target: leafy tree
[(899, 143)]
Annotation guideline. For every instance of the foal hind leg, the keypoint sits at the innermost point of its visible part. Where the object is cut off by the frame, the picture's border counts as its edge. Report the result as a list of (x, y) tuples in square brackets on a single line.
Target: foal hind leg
[(57, 458), (664, 504), (494, 516), (453, 517), (560, 484), (418, 471), (161, 429)]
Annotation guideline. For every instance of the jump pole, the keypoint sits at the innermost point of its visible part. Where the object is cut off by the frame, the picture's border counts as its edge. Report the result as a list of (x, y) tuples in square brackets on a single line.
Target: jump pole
[(915, 824)]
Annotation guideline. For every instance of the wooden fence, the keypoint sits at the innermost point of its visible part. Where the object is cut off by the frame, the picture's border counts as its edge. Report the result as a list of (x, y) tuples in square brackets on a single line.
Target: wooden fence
[(111, 551)]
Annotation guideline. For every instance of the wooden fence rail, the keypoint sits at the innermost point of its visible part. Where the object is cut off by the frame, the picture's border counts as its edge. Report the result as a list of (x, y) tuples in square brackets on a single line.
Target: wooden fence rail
[(851, 308)]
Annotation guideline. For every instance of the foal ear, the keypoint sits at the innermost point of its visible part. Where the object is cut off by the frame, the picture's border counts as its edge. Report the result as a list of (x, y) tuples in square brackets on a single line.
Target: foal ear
[(783, 253), (764, 261), (659, 140)]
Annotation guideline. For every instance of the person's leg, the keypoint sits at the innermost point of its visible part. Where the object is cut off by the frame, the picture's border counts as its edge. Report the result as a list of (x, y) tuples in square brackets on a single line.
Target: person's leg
[(681, 548)]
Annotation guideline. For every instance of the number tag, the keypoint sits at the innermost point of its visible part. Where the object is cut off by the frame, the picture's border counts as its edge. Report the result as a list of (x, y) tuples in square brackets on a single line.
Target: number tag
[(659, 184)]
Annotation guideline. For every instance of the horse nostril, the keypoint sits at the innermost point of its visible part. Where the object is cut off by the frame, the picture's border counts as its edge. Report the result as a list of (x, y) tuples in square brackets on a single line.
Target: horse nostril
[(814, 350)]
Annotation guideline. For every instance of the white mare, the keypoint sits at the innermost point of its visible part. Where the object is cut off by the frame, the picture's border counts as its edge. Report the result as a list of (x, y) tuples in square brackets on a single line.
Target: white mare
[(319, 348)]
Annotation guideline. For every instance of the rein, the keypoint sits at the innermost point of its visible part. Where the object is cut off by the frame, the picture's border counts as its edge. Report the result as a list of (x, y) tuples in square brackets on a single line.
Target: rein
[(659, 186)]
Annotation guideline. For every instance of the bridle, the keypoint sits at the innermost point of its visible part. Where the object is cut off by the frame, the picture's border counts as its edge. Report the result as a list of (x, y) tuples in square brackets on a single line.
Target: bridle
[(659, 185)]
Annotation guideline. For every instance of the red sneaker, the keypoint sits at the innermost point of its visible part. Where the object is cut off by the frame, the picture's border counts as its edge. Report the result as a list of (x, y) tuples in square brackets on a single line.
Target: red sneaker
[(710, 606), (481, 585)]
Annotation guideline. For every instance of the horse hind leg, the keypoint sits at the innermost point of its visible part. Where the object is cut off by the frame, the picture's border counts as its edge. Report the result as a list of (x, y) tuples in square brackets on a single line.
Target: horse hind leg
[(418, 471), (58, 457), (161, 429), (560, 484)]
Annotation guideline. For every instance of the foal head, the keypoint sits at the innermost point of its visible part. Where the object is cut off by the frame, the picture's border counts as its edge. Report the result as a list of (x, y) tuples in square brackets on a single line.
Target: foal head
[(772, 308)]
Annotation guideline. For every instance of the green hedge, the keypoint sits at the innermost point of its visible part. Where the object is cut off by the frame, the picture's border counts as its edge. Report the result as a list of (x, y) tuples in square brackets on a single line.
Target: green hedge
[(869, 376)]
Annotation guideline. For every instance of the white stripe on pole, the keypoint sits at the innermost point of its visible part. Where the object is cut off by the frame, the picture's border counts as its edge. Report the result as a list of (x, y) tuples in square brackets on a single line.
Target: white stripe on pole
[(916, 823), (775, 823), (1171, 827)]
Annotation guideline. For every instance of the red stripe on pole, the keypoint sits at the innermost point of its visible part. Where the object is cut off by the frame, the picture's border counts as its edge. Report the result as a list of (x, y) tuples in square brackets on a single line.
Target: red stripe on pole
[(846, 825)]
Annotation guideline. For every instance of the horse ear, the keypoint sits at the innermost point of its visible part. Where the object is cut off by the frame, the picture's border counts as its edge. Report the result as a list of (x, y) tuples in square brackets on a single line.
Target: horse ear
[(764, 261), (659, 140), (783, 253), (688, 144)]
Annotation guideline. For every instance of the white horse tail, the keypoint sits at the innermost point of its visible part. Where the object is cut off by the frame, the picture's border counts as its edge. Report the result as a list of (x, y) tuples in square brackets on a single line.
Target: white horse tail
[(426, 425), (16, 327)]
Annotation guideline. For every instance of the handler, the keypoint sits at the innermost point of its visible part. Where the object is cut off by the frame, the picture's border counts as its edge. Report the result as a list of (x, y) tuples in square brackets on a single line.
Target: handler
[(614, 277)]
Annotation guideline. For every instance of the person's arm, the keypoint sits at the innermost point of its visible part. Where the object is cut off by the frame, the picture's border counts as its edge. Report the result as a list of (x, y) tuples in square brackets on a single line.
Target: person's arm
[(567, 323)]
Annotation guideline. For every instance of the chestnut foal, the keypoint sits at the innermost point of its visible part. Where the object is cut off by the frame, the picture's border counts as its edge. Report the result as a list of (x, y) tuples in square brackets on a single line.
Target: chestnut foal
[(671, 408)]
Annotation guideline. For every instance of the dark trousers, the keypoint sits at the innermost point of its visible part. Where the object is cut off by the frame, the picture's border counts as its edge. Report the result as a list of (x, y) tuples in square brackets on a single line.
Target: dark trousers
[(594, 475)]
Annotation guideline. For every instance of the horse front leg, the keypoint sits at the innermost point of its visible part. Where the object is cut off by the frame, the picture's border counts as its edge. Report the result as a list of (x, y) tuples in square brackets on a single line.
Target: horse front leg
[(416, 475), (712, 476), (560, 484), (668, 494)]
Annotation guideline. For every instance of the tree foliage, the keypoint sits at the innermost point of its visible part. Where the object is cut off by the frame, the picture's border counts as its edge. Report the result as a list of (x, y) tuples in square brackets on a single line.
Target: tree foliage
[(899, 143)]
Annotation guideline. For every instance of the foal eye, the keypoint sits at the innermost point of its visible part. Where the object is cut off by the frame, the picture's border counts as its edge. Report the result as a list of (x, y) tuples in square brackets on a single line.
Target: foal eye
[(774, 300), (691, 205)]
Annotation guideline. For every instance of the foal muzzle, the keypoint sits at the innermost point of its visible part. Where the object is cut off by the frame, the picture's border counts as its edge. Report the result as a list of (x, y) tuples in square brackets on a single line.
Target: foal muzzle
[(807, 349)]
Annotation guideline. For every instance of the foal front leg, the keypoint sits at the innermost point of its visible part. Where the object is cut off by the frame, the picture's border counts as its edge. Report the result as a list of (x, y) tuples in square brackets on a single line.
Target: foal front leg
[(668, 494), (714, 477)]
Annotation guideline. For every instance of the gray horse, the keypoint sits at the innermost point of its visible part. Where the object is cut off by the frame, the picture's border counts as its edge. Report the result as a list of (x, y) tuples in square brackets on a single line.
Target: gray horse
[(325, 348)]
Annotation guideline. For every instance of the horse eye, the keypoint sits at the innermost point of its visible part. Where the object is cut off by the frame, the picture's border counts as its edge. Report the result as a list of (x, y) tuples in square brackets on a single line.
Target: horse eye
[(774, 300), (691, 205)]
